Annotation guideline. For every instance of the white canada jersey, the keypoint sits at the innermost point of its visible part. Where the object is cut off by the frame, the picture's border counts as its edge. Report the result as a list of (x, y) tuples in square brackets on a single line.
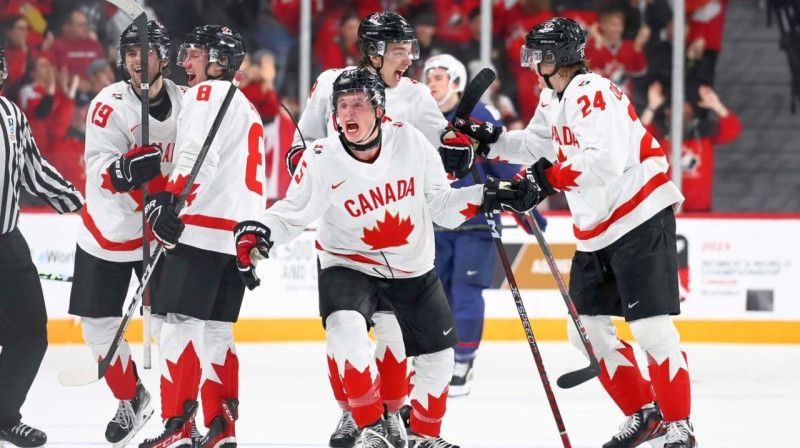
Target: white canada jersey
[(613, 171), (410, 102), (230, 186), (112, 220), (374, 217)]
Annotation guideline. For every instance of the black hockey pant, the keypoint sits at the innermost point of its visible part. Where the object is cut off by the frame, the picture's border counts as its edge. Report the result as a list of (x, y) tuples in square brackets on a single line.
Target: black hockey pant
[(23, 325)]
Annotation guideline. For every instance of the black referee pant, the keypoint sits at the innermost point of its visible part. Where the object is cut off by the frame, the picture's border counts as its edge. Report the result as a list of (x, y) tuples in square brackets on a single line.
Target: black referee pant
[(23, 325)]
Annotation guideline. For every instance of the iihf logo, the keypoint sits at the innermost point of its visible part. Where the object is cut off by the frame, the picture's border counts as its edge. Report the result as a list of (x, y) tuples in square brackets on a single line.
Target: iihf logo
[(548, 26)]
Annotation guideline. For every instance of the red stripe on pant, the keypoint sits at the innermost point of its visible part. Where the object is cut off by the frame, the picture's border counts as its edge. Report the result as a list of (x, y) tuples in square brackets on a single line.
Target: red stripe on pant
[(122, 382), (627, 387), (674, 395), (185, 384), (394, 384), (214, 394)]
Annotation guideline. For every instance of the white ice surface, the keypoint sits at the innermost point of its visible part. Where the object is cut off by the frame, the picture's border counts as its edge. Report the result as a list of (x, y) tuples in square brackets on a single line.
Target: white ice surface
[(743, 396)]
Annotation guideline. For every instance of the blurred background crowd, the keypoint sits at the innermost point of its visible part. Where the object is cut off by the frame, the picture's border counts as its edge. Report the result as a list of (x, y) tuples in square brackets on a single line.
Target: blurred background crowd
[(63, 52)]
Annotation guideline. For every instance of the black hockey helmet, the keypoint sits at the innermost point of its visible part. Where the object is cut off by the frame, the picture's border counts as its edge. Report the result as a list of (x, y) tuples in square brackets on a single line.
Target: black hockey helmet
[(380, 28), (225, 47), (559, 41), (360, 80), (157, 36)]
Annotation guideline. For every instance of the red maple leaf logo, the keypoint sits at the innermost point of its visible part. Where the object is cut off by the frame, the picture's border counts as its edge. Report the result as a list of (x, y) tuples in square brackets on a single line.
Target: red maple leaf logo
[(562, 176), (155, 184), (471, 210), (390, 232), (176, 187)]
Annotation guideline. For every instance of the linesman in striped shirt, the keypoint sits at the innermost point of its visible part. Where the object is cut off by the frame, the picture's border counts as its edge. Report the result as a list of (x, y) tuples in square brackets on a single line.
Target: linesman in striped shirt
[(23, 317)]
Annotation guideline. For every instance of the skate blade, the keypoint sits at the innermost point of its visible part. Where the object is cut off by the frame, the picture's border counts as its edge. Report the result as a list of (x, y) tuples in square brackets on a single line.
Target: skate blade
[(658, 442), (146, 414), (459, 391), (77, 377)]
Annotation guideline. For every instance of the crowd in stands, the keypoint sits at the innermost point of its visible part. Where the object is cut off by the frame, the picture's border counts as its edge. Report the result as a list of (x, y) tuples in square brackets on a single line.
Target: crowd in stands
[(62, 52)]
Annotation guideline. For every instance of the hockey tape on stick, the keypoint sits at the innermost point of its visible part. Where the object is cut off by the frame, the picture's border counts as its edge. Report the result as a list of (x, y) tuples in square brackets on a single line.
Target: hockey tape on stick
[(576, 377), (83, 376)]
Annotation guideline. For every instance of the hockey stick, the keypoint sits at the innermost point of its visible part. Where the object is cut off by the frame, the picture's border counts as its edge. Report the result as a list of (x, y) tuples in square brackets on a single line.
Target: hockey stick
[(83, 376), (472, 93), (55, 277), (139, 17), (574, 378)]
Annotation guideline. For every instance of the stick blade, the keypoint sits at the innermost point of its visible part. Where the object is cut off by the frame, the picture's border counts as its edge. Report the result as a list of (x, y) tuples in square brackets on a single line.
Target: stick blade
[(129, 7), (474, 91), (78, 377), (578, 377)]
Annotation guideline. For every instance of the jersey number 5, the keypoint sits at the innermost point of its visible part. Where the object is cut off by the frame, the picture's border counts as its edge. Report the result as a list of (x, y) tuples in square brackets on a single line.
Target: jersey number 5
[(598, 103), (100, 114), (254, 158)]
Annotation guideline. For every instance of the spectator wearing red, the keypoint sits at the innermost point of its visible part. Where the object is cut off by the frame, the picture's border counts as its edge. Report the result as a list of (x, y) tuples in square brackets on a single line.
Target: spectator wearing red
[(68, 159), (341, 50), (610, 55), (48, 103), (18, 54), (259, 84), (700, 137), (706, 21), (76, 48), (34, 12)]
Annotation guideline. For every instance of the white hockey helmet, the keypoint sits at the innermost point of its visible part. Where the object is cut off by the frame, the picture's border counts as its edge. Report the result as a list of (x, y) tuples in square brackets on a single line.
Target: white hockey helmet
[(455, 70)]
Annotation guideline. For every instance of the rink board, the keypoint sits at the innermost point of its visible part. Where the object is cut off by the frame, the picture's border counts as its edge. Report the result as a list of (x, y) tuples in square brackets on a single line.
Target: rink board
[(742, 282)]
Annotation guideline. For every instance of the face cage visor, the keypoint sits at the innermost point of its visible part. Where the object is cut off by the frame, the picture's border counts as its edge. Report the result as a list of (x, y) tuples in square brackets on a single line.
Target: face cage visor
[(530, 57), (373, 98), (213, 54), (380, 49)]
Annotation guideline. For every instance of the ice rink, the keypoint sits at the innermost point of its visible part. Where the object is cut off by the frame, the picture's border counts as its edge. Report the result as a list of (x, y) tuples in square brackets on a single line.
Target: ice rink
[(745, 396)]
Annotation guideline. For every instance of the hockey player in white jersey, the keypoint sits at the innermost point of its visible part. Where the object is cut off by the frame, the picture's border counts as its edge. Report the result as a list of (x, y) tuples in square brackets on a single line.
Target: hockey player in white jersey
[(586, 139), (200, 289), (110, 238), (375, 191), (388, 45)]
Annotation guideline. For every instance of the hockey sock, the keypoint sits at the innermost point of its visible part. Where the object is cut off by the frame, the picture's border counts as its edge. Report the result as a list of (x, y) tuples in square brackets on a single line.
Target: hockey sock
[(429, 391), (181, 340), (669, 370), (390, 357), (349, 347), (220, 369), (468, 310), (619, 371), (99, 332)]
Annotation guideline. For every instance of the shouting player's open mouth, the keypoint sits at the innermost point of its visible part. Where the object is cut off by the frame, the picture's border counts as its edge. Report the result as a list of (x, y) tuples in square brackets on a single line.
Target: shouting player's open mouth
[(351, 127)]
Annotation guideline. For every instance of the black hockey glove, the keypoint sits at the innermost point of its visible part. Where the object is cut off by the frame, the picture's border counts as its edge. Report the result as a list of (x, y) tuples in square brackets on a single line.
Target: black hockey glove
[(535, 175), (252, 244), (293, 158), (165, 224), (483, 132), (457, 153), (135, 167), (510, 195)]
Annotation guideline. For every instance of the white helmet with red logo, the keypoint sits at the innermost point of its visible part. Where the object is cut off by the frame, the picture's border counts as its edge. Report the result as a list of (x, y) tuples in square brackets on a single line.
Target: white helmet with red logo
[(455, 70)]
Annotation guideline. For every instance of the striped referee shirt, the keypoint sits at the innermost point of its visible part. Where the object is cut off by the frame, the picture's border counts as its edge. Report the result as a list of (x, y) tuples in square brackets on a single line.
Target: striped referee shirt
[(21, 164)]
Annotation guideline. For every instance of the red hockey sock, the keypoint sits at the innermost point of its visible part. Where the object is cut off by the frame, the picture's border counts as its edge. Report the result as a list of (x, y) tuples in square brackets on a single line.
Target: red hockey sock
[(670, 381), (622, 379), (426, 418), (121, 378), (216, 390), (180, 383), (394, 383), (363, 395), (336, 384)]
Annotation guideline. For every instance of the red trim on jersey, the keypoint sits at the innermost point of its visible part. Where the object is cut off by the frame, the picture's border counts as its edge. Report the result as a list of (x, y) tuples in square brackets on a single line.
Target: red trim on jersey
[(211, 222), (358, 258), (103, 241), (646, 149), (626, 207)]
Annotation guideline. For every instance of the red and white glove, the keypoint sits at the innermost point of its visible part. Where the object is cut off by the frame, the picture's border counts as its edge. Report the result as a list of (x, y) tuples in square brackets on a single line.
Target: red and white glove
[(457, 153), (137, 166), (252, 244)]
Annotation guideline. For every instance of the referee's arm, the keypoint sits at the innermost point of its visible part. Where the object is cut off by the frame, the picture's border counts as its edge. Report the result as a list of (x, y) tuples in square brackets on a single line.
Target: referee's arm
[(41, 178)]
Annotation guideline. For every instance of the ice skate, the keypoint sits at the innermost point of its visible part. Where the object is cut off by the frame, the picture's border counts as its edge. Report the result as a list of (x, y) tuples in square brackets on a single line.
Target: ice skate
[(130, 418), (462, 377), (177, 430), (22, 436), (680, 434), (375, 435), (346, 432), (397, 430), (422, 441), (641, 426), (222, 433)]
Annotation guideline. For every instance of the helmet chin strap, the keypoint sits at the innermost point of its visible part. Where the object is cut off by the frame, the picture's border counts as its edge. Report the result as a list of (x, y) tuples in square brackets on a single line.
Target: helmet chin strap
[(546, 77), (446, 98)]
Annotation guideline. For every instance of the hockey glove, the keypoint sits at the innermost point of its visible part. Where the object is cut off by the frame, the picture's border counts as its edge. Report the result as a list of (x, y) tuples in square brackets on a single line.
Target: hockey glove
[(535, 175), (137, 166), (165, 224), (510, 195), (293, 158), (252, 244), (457, 153), (483, 132)]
